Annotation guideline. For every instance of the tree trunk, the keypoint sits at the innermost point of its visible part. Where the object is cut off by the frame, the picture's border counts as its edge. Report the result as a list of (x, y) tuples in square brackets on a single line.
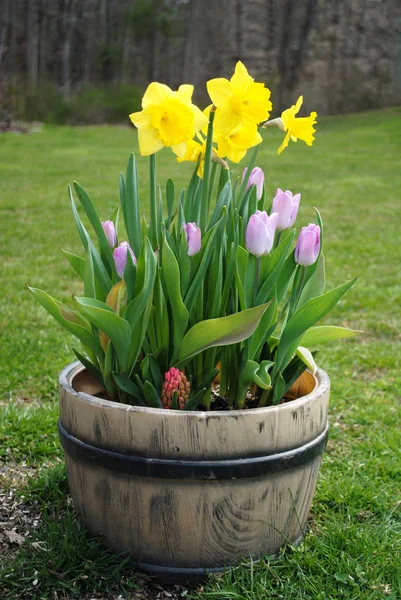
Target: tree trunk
[(33, 41)]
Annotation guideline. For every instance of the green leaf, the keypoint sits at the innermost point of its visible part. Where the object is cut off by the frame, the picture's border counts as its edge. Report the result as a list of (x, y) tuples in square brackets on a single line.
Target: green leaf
[(220, 332), (152, 397), (253, 372), (307, 358), (122, 197), (172, 282), (194, 402), (132, 213), (262, 331), (272, 269), (96, 223), (89, 277), (170, 198), (138, 310), (161, 315), (224, 199), (240, 275), (304, 318), (279, 389), (69, 319), (315, 285), (130, 276), (116, 328), (327, 333), (129, 387), (99, 268), (77, 262), (207, 253), (89, 366)]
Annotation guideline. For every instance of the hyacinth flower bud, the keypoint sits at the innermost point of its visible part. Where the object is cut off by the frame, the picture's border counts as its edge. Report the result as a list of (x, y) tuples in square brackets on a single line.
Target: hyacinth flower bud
[(193, 234), (259, 235), (286, 206), (308, 245), (110, 232), (120, 257), (175, 382), (257, 178)]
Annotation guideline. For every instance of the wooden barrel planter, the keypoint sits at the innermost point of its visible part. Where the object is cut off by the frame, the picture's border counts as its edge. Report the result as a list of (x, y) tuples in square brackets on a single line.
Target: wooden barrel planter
[(191, 492)]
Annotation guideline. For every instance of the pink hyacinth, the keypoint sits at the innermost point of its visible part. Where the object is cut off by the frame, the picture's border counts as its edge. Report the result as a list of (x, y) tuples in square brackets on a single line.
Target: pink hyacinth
[(175, 381)]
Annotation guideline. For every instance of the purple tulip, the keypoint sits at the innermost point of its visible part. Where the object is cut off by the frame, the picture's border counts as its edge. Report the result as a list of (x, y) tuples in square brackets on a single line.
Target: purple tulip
[(256, 178), (120, 257), (110, 232), (308, 245), (259, 235), (193, 234), (286, 205)]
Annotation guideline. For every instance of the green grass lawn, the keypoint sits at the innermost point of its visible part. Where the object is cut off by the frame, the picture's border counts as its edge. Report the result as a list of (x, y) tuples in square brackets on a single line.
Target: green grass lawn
[(353, 175)]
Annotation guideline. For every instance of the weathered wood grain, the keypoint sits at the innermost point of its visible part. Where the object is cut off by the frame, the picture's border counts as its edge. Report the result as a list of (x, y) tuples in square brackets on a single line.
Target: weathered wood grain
[(201, 523)]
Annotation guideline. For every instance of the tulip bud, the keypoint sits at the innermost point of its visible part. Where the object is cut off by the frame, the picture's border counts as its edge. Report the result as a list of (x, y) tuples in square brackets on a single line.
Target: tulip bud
[(308, 245), (120, 257), (286, 205), (259, 235), (193, 234), (110, 231), (256, 178)]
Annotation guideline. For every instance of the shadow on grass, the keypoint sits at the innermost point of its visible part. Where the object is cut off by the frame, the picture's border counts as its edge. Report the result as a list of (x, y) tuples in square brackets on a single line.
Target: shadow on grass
[(61, 557)]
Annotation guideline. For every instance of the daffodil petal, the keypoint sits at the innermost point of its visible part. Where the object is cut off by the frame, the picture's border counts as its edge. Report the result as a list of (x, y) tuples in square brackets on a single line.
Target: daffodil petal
[(219, 90), (298, 105), (180, 150), (156, 93), (149, 141), (236, 155), (185, 92), (227, 120), (140, 118), (285, 143), (201, 120), (241, 79)]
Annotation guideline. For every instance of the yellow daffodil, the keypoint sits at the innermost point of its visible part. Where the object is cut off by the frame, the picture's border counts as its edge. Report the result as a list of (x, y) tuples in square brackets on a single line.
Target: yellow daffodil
[(192, 150), (168, 118), (234, 143), (238, 99), (297, 128)]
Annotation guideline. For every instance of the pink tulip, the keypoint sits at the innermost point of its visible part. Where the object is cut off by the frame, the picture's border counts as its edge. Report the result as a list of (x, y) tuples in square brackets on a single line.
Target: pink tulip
[(259, 235), (110, 231), (193, 234), (256, 178), (286, 205), (308, 245), (120, 257)]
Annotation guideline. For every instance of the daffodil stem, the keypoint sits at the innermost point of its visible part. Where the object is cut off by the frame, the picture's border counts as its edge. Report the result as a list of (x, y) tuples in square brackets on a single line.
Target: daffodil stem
[(249, 168), (206, 174), (153, 204)]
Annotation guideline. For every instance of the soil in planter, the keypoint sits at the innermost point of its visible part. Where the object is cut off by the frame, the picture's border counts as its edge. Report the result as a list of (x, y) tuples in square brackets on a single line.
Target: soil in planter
[(303, 386)]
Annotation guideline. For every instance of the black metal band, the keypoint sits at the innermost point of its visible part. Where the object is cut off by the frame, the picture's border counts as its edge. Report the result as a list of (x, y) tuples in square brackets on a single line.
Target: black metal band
[(191, 469)]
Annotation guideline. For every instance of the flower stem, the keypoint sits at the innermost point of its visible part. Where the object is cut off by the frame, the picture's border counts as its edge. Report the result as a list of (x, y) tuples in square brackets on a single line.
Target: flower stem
[(206, 173), (256, 282), (153, 204), (249, 168)]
